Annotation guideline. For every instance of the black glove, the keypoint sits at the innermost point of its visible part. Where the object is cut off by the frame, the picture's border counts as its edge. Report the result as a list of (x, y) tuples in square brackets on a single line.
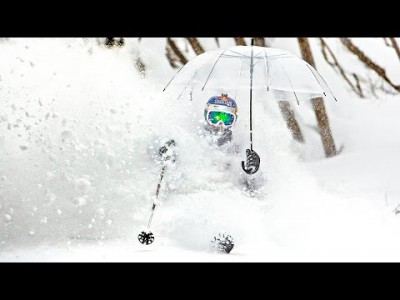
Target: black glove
[(167, 152), (252, 162)]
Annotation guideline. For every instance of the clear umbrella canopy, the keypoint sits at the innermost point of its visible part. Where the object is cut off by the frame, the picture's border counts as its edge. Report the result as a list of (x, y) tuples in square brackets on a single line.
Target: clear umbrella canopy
[(275, 70)]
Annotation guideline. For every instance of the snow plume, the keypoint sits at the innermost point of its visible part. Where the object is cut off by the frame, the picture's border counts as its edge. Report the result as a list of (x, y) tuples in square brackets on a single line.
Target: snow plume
[(74, 119), (80, 135)]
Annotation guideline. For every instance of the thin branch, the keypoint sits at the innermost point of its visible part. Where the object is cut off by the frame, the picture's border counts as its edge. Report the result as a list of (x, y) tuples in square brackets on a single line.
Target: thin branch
[(358, 85), (217, 41), (368, 62), (395, 46), (335, 64)]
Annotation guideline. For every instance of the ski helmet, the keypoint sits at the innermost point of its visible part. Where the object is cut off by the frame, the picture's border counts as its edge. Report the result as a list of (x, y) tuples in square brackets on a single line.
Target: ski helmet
[(221, 111)]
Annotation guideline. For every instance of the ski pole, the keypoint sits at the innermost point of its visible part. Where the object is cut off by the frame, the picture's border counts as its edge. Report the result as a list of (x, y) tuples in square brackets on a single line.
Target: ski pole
[(148, 237)]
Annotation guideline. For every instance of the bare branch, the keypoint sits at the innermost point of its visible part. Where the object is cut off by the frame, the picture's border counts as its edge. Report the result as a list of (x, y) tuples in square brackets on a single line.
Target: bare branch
[(175, 50), (368, 62), (171, 58), (387, 42), (217, 41), (194, 42), (395, 46), (358, 85), (335, 64)]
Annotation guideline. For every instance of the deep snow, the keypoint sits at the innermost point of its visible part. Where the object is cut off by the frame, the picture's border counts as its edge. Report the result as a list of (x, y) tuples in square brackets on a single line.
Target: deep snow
[(79, 128)]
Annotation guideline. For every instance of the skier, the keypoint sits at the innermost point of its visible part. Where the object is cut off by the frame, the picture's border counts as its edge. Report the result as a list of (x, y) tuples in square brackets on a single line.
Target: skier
[(221, 114)]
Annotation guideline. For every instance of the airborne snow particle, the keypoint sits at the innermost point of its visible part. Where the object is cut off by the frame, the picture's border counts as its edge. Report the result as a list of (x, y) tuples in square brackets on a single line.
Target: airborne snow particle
[(101, 212), (66, 134), (7, 217), (31, 232), (23, 147), (109, 222), (49, 175), (83, 184), (81, 201)]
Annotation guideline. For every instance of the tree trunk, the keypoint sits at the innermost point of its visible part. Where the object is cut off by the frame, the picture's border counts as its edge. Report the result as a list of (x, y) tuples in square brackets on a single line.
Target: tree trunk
[(240, 41), (259, 41), (291, 122), (194, 42), (319, 106)]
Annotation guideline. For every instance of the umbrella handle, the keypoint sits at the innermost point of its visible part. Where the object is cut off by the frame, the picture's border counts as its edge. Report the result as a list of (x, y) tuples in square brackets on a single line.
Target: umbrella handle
[(252, 162)]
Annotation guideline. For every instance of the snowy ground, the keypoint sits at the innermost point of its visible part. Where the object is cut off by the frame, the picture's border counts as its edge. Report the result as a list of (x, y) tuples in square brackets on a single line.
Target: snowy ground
[(78, 131)]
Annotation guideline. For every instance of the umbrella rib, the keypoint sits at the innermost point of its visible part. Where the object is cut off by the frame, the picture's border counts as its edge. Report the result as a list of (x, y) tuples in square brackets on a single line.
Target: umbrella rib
[(308, 66), (208, 77), (239, 53), (267, 67), (187, 85), (240, 74), (173, 77), (284, 70)]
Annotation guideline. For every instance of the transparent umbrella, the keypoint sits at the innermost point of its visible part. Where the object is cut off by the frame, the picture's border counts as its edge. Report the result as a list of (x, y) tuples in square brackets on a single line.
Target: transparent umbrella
[(254, 68)]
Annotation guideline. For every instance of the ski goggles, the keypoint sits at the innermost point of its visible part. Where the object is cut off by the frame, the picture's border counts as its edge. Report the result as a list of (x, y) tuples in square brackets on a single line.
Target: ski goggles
[(216, 117)]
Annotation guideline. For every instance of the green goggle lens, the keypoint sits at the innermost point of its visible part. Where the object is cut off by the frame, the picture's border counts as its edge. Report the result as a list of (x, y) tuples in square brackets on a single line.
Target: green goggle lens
[(216, 116)]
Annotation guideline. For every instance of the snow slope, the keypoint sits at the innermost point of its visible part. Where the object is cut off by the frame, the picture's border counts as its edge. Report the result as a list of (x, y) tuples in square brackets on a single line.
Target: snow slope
[(79, 131)]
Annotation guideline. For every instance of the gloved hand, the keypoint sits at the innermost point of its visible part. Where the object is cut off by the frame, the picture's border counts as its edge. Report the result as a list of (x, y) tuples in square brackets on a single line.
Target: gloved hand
[(252, 162), (167, 152)]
